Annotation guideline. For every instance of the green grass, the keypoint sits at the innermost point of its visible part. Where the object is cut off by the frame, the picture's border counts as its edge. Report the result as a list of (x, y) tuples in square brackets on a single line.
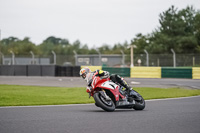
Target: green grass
[(17, 95)]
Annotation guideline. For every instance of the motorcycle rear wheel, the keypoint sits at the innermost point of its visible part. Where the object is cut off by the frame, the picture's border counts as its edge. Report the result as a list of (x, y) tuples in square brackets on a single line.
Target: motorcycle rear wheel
[(103, 103), (139, 104)]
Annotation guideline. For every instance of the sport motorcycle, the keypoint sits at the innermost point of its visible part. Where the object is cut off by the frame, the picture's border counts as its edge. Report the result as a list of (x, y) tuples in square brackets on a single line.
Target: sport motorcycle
[(110, 96)]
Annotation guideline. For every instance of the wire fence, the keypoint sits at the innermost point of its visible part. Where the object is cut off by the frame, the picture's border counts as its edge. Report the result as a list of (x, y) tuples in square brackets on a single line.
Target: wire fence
[(163, 60), (167, 60)]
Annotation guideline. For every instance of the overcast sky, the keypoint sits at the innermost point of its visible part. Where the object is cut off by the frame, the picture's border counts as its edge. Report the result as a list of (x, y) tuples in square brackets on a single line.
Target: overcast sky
[(93, 22)]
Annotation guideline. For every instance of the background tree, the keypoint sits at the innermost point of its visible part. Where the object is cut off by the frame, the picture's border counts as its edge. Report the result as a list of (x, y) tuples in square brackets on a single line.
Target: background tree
[(141, 42), (177, 31), (19, 47), (197, 30)]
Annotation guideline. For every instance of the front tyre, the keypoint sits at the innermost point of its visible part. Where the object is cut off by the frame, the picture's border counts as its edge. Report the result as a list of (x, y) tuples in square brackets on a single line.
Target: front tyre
[(107, 105)]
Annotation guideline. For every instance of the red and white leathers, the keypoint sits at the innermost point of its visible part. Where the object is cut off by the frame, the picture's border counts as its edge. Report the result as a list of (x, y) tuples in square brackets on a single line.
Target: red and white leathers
[(88, 78)]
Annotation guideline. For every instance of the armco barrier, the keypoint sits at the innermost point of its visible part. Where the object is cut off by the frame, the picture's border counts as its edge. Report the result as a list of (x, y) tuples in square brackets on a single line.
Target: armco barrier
[(48, 70), (20, 70), (93, 68), (64, 71), (146, 72), (196, 72), (75, 71), (69, 71), (134, 72), (59, 71), (124, 72), (34, 70), (176, 72), (7, 70), (39, 70)]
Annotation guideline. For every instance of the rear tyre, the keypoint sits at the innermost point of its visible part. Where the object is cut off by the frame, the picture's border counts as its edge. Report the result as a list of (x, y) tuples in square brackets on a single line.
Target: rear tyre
[(107, 105)]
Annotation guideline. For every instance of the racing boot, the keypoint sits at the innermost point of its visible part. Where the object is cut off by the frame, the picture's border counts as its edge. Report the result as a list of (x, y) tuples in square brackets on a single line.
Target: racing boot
[(128, 89), (125, 85), (122, 82)]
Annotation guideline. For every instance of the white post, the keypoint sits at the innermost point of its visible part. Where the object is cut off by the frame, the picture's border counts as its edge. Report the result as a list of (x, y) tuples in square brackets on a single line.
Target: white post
[(54, 57), (99, 57), (174, 57), (75, 55), (193, 61), (158, 62), (33, 56), (2, 55), (132, 64), (123, 62), (13, 57), (147, 57), (132, 54)]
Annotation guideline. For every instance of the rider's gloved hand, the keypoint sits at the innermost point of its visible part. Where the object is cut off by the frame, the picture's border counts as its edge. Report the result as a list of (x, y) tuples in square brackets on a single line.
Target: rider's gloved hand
[(88, 89)]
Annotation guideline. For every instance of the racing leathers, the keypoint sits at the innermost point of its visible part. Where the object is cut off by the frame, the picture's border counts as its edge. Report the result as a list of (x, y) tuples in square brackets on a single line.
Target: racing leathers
[(104, 74)]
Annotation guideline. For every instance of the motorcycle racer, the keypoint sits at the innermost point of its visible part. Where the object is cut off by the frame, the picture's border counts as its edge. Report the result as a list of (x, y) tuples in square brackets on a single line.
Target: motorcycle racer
[(86, 74)]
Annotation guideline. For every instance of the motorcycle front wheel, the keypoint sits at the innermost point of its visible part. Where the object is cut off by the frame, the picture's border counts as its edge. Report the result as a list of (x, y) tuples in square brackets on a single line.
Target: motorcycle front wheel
[(107, 105)]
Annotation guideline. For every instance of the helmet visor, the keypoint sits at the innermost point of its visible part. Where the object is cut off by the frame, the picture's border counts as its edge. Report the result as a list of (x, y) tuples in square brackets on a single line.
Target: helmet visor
[(83, 75)]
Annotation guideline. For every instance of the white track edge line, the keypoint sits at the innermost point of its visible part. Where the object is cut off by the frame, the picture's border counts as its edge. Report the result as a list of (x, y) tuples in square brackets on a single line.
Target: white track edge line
[(151, 100), (172, 98)]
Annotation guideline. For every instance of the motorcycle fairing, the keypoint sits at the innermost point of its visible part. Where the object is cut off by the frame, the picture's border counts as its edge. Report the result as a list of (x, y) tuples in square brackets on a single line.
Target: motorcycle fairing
[(109, 85)]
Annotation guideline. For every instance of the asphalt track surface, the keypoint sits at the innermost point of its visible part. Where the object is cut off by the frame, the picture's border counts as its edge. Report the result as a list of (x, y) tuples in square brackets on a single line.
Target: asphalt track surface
[(159, 116), (79, 82)]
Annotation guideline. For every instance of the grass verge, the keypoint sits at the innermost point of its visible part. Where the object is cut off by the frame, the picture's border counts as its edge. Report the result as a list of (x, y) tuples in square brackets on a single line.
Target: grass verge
[(17, 95)]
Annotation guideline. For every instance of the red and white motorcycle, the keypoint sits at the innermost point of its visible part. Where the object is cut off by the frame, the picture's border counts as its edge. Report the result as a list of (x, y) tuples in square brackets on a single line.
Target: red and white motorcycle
[(109, 95)]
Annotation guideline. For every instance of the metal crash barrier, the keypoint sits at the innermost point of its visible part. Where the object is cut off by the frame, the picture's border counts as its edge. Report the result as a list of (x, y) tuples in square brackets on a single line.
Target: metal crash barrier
[(73, 71)]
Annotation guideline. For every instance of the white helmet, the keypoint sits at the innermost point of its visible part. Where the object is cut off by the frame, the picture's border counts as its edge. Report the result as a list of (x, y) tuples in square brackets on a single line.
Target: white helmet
[(84, 72)]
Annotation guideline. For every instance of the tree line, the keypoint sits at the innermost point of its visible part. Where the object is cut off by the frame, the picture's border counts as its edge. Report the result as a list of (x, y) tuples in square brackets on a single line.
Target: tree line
[(178, 30)]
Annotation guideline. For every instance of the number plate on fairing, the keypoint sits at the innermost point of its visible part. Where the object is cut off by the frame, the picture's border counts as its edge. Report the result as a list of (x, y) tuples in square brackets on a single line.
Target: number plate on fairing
[(109, 84)]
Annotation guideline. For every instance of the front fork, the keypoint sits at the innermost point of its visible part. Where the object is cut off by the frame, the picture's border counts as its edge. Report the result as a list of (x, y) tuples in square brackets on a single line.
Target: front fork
[(103, 93)]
